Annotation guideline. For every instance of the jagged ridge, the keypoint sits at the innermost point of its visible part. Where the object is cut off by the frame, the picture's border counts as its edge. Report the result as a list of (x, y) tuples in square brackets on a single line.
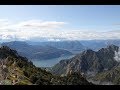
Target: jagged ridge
[(88, 62)]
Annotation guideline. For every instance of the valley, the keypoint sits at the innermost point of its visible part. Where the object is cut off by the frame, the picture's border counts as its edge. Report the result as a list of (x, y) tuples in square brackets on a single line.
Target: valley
[(17, 70), (98, 67)]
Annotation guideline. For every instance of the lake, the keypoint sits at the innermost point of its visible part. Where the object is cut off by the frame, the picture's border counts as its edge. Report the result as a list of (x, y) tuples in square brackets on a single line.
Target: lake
[(49, 62)]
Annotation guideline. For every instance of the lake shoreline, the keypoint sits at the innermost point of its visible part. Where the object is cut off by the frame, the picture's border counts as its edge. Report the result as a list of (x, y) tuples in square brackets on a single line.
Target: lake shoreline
[(49, 62)]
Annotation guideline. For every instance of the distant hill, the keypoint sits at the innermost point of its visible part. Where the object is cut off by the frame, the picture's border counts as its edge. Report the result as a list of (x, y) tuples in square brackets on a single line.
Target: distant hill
[(36, 51), (73, 46), (98, 44), (79, 46)]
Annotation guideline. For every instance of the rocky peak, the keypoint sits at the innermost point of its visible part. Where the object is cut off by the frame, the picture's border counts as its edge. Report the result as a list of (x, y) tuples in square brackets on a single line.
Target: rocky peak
[(89, 51), (5, 51), (91, 61), (113, 47)]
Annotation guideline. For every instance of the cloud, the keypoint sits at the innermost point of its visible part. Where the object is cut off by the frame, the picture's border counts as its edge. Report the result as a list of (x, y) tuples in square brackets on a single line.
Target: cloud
[(4, 22), (29, 29), (46, 24), (48, 30), (39, 24), (117, 56)]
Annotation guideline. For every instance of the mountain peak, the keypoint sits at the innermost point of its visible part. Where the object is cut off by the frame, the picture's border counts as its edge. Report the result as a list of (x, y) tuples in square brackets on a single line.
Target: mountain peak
[(91, 62), (113, 47), (89, 51)]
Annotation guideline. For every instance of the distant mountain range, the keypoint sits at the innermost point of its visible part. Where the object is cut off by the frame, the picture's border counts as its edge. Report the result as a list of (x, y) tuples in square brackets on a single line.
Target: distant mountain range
[(36, 51), (55, 49), (67, 45), (74, 46), (98, 44), (80, 45)]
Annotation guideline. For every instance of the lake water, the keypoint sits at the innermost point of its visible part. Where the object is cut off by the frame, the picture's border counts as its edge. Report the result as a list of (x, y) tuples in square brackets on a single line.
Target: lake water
[(49, 62)]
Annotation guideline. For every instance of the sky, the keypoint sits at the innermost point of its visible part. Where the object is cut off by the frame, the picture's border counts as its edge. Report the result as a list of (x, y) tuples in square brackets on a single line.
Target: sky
[(54, 22)]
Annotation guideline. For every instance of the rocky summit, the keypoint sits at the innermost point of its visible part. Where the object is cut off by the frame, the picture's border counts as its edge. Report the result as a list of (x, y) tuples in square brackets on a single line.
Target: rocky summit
[(89, 62)]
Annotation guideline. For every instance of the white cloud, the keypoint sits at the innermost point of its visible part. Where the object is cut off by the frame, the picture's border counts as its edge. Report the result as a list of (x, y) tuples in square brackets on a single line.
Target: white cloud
[(50, 30), (38, 24), (117, 55), (29, 29), (4, 22)]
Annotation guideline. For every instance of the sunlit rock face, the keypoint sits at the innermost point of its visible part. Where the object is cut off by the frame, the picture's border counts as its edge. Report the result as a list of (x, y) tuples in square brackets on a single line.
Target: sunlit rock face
[(89, 62)]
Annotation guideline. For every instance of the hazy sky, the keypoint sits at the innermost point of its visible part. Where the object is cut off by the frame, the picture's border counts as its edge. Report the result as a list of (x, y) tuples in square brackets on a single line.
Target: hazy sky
[(21, 18)]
